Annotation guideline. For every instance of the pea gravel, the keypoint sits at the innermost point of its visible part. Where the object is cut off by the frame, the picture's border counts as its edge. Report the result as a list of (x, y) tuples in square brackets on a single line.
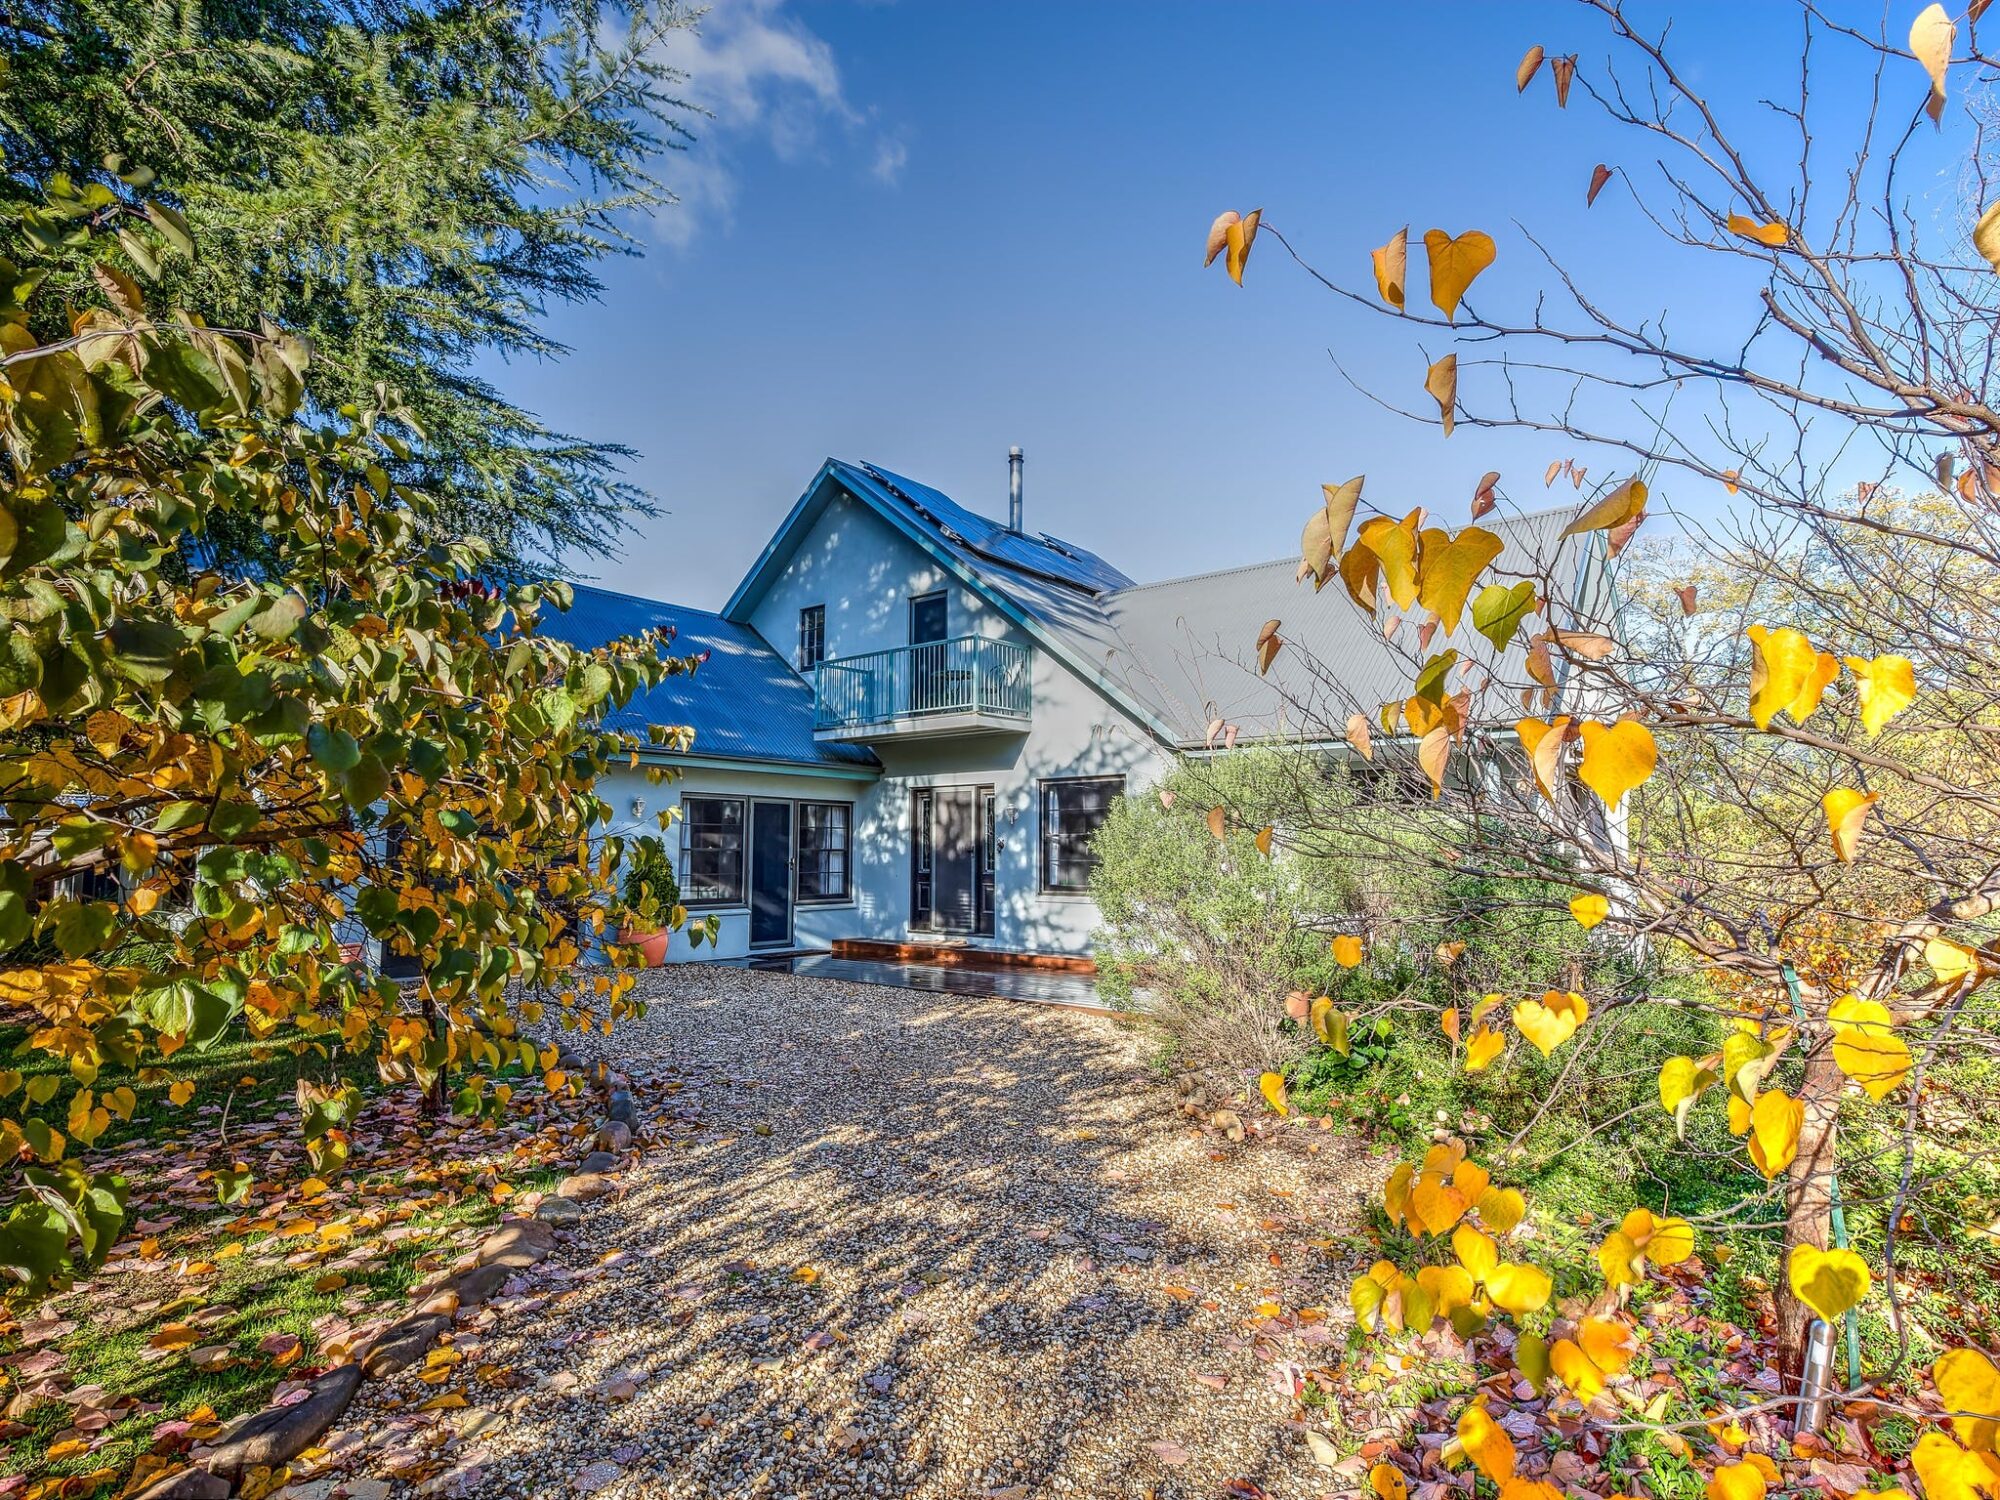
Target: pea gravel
[(889, 1243)]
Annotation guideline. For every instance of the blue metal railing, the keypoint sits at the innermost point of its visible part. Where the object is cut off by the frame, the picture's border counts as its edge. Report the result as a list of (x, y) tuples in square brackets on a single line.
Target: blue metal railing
[(970, 674)]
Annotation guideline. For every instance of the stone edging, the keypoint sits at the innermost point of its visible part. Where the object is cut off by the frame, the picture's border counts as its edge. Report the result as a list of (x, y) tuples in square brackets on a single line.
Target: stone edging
[(278, 1434)]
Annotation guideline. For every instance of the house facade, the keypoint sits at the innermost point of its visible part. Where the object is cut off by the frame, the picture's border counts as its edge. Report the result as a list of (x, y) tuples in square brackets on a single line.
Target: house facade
[(910, 719)]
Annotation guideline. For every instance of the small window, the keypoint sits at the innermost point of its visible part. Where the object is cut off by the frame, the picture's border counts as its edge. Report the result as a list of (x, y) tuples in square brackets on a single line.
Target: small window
[(823, 846), (712, 851), (812, 636), (1072, 812)]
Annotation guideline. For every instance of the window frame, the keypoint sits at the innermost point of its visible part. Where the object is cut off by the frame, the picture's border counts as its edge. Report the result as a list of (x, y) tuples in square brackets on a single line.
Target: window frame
[(1045, 834), (741, 899), (812, 636), (846, 894)]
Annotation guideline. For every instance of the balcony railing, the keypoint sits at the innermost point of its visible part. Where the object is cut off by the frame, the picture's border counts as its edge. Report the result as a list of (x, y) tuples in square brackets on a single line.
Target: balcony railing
[(942, 680)]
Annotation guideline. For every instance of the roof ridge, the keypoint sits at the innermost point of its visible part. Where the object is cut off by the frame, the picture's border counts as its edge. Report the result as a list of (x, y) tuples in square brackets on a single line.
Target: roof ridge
[(1161, 583)]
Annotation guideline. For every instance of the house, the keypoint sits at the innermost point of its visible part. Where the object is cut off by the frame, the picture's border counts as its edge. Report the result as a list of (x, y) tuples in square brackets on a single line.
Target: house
[(912, 718)]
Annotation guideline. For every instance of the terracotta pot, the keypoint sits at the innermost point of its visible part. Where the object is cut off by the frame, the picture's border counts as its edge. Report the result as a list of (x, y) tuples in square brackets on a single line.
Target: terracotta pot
[(651, 945)]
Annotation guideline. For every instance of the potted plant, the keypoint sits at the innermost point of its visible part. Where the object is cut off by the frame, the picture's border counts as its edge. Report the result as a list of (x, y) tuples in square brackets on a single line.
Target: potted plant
[(652, 899)]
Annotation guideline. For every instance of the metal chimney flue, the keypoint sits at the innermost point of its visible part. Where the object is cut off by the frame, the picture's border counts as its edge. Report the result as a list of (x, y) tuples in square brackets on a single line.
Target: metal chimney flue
[(1014, 488)]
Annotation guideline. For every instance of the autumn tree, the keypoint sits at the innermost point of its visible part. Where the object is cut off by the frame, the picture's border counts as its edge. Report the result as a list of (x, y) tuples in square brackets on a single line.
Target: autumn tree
[(214, 780), (1786, 769)]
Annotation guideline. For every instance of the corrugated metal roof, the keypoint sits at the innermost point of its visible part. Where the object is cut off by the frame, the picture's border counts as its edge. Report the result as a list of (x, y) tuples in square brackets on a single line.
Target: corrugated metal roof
[(744, 701), (1190, 644)]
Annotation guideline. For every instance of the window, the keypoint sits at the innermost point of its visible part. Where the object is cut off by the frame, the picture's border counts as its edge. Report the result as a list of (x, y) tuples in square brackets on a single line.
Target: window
[(922, 804), (1072, 812), (712, 851), (823, 845), (812, 636)]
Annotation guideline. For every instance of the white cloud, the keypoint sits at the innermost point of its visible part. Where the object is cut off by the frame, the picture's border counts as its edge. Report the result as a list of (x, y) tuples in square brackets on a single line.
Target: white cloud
[(891, 156), (766, 79)]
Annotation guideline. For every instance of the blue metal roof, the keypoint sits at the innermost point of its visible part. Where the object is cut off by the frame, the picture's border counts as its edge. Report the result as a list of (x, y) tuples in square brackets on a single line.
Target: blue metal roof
[(744, 701)]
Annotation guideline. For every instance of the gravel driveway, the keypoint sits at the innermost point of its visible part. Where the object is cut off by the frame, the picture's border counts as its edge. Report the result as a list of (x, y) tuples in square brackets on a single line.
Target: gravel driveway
[(897, 1244)]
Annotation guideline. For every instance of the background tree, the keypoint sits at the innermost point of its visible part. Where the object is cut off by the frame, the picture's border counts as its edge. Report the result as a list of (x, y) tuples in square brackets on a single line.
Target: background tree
[(1796, 785), (211, 780), (405, 186)]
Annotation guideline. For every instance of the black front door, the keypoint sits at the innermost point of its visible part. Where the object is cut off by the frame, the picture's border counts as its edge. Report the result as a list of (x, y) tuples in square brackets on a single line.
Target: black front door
[(770, 873), (955, 858)]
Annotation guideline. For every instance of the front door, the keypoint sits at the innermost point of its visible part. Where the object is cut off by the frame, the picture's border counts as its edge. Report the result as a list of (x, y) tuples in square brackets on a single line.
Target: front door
[(770, 873), (952, 860)]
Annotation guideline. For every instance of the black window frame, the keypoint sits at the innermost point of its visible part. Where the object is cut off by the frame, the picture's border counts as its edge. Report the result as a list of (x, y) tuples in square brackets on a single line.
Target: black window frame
[(742, 852), (1048, 834), (812, 636), (800, 853)]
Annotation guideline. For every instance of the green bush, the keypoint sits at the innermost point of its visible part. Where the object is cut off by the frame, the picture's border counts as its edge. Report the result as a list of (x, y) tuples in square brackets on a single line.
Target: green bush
[(651, 889)]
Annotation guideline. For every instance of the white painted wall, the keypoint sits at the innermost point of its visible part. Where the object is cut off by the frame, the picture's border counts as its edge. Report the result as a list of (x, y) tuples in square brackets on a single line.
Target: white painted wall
[(865, 572)]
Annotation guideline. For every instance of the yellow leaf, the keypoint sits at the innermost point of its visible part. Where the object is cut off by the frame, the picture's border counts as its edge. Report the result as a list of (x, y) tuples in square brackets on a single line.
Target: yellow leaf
[(1953, 964), (1664, 1242), (1482, 1047), (1625, 503), (1449, 566), (449, 1401), (1218, 235), (181, 1092), (1740, 1481), (1347, 950), (1846, 810), (1325, 533), (1357, 735), (1394, 545), (1455, 264), (174, 1336), (1773, 234), (1477, 1252), (1931, 36), (1500, 1209), (1238, 238), (1887, 685), (1544, 743), (1449, 1287), (1531, 1358), (1786, 675), (1392, 267), (1442, 386), (1433, 754), (1589, 909), (1388, 1483), (1986, 235), (1618, 1260), (1950, 1472), (1616, 758), (1878, 1061), (1264, 836), (1218, 821), (1396, 1193), (1486, 1443), (1272, 1087), (806, 1275), (1969, 1382), (1775, 1121), (1828, 1281), (1551, 1020), (1519, 1289), (1329, 1025), (1437, 1204)]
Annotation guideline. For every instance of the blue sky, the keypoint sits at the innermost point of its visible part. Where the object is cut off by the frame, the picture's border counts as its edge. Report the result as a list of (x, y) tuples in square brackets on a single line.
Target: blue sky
[(916, 233)]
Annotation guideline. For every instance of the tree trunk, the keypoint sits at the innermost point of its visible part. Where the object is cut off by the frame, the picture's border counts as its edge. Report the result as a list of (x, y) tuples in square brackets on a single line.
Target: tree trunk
[(1809, 1198)]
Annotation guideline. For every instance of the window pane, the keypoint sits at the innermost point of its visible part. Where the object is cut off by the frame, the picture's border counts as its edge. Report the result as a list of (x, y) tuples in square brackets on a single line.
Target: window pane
[(1072, 812), (822, 864), (713, 844)]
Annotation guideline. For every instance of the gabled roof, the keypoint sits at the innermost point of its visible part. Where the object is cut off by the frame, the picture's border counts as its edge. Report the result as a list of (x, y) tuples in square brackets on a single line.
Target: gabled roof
[(744, 701), (1048, 588), (1191, 643)]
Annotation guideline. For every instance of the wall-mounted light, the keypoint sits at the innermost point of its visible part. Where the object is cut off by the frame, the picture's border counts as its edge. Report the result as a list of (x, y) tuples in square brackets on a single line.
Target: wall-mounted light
[(638, 807)]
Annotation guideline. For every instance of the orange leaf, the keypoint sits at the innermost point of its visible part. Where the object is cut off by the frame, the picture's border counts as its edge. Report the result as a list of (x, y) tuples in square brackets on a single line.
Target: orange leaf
[(1392, 267), (1442, 385), (1456, 264)]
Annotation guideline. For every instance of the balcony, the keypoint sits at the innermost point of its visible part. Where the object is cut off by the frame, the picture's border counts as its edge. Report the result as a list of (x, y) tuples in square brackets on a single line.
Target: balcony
[(970, 685)]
